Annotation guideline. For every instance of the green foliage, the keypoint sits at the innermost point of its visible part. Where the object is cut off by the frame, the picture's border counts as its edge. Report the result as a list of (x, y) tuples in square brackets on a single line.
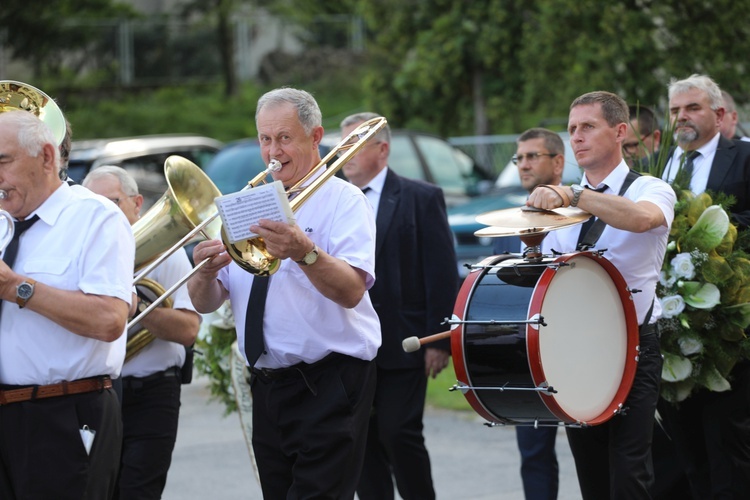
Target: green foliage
[(212, 360), (193, 109)]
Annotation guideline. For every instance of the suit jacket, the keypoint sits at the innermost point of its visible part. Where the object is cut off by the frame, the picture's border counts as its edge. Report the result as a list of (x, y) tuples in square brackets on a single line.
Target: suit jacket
[(416, 273), (730, 174)]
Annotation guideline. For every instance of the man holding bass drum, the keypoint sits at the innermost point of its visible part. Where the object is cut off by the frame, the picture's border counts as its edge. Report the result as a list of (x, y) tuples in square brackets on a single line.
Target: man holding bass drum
[(613, 460)]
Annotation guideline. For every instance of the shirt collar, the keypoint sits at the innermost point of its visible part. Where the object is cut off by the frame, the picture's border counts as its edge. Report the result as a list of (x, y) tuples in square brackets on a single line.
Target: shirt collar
[(706, 150), (613, 181), (377, 182)]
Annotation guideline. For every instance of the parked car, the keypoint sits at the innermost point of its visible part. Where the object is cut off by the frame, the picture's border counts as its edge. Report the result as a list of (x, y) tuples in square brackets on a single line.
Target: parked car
[(428, 157), (142, 156), (506, 193)]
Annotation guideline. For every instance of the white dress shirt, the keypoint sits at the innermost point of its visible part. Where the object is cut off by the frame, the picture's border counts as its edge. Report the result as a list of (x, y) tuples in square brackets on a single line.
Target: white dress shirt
[(701, 165), (81, 242), (375, 190), (638, 256), (162, 354), (300, 325)]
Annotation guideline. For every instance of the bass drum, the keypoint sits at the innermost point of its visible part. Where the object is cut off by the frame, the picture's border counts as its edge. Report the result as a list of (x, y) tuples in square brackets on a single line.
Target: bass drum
[(554, 340)]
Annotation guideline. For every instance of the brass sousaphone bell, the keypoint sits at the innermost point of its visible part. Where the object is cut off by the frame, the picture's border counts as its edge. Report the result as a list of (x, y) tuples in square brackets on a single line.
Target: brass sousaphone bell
[(19, 96), (187, 203)]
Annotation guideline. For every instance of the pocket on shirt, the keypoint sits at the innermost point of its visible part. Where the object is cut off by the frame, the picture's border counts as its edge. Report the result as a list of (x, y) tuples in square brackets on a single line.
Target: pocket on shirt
[(49, 271)]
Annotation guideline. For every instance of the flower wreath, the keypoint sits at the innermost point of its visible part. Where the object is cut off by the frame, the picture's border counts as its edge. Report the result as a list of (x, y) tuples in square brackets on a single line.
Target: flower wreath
[(704, 290)]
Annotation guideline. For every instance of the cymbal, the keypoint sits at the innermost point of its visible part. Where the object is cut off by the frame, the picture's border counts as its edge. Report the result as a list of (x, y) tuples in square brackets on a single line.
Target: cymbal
[(525, 220)]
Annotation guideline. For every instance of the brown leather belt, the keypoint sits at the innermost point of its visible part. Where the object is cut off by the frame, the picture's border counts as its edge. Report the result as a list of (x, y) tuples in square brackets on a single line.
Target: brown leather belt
[(64, 388)]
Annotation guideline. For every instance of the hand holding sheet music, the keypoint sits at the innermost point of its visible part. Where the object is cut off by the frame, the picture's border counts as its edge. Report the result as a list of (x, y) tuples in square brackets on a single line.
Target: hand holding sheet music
[(243, 209)]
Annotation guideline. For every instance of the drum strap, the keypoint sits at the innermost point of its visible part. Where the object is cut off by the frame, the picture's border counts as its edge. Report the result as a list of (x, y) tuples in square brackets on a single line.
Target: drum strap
[(594, 230)]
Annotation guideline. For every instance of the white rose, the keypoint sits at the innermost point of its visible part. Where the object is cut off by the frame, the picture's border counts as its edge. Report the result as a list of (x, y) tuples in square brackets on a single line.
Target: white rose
[(690, 345), (682, 266), (672, 305), (666, 280)]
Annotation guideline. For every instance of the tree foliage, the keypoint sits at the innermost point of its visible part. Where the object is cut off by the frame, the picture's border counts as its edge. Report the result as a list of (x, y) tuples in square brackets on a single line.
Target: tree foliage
[(491, 66), (38, 36)]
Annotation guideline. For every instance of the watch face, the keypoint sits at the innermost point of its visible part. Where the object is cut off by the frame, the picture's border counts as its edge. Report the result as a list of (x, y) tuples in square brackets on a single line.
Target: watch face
[(25, 290), (311, 256)]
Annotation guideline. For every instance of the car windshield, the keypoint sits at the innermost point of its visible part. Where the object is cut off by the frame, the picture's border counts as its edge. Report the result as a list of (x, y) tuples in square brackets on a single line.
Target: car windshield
[(235, 166)]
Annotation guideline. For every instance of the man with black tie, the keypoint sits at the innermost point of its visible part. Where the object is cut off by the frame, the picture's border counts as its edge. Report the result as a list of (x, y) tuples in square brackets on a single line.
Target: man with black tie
[(65, 301), (414, 290), (721, 165), (711, 430), (310, 338)]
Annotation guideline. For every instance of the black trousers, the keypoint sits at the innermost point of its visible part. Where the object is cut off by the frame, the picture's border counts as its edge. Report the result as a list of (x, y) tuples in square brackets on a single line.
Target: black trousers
[(710, 436), (310, 428), (539, 467), (42, 455), (613, 459), (395, 443), (150, 414)]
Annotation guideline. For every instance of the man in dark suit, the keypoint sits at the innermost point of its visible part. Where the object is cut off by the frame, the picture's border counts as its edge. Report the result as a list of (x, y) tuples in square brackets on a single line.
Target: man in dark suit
[(414, 290), (711, 430), (720, 164)]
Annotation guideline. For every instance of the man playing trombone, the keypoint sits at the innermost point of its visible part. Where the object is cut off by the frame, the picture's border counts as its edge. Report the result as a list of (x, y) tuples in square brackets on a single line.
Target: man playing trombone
[(151, 378), (65, 302), (311, 335)]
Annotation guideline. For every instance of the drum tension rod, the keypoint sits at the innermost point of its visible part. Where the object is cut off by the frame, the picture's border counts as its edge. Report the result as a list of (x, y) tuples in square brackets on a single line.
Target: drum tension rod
[(460, 386)]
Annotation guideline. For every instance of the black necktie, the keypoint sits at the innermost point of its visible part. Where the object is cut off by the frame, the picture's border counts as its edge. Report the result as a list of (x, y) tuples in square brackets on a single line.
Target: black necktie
[(256, 306), (19, 228), (9, 257), (688, 167), (590, 222)]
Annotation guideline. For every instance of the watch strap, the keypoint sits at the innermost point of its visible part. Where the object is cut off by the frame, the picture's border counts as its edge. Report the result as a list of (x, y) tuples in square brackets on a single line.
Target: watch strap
[(20, 300)]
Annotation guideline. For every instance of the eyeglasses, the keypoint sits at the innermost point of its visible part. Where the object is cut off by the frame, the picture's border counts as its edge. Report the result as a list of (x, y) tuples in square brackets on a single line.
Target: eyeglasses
[(632, 147), (532, 157), (117, 201), (341, 153)]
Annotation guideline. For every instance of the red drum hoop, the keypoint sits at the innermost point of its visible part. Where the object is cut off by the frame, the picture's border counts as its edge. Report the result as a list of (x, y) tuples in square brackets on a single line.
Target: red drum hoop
[(555, 340)]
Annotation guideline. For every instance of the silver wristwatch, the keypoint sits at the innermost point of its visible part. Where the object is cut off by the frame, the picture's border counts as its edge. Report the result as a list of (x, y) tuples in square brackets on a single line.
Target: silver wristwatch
[(577, 190), (24, 291)]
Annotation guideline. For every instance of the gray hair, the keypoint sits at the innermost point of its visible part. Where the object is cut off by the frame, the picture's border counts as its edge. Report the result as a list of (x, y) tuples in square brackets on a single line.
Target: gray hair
[(384, 135), (127, 183), (308, 112), (700, 82), (33, 133), (614, 107), (552, 140), (729, 104)]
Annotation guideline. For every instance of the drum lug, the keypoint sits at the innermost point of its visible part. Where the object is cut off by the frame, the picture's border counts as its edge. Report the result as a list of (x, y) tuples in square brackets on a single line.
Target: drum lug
[(460, 386), (620, 410), (536, 320)]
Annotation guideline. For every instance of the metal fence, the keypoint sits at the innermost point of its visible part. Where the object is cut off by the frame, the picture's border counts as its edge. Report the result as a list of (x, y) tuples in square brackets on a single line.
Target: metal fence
[(167, 51)]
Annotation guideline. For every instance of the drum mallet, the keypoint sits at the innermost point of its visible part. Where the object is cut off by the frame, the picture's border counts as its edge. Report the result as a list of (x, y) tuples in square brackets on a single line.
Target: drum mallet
[(412, 344)]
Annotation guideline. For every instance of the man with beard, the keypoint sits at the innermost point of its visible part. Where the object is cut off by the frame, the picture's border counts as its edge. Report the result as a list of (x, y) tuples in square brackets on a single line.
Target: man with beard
[(720, 165), (711, 430)]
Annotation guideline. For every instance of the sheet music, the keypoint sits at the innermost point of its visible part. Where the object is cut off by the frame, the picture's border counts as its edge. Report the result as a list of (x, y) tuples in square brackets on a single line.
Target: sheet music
[(243, 209)]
